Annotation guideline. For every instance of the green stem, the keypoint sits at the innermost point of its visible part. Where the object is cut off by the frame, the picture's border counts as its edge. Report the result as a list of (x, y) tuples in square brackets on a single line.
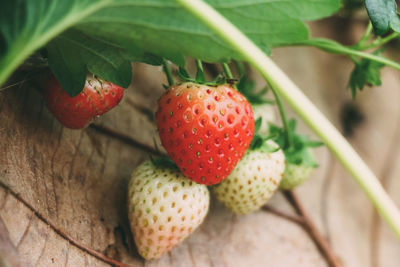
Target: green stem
[(199, 65), (381, 41), (168, 72), (288, 133), (366, 36), (228, 73), (337, 48), (302, 105)]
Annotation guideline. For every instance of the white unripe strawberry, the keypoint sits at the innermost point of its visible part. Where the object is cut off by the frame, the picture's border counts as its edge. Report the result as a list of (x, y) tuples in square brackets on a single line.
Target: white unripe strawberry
[(253, 181), (164, 208)]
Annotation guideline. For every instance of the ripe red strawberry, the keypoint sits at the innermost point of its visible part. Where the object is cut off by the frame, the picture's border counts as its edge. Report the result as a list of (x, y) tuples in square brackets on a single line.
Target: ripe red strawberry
[(164, 208), (97, 97), (205, 129)]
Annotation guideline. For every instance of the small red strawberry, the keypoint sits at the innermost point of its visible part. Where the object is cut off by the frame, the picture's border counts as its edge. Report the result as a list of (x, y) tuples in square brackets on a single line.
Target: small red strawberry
[(164, 208), (97, 97), (205, 129)]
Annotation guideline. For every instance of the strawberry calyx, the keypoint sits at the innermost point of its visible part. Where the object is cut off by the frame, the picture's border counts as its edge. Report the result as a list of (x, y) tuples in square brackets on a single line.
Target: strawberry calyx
[(200, 78), (259, 141), (163, 162), (299, 152)]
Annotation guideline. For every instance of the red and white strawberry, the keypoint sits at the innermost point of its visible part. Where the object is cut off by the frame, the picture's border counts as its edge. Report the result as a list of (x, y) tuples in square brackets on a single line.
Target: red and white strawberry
[(97, 97), (164, 208), (205, 129), (253, 181)]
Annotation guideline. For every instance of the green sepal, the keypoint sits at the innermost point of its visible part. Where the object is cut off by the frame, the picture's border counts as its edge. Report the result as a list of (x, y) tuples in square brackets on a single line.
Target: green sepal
[(218, 80), (259, 141), (185, 77), (257, 125), (200, 74), (365, 72), (163, 162), (300, 152)]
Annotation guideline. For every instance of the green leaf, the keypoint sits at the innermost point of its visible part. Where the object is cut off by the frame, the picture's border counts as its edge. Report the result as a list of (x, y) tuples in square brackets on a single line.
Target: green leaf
[(365, 72), (383, 15), (267, 23), (67, 66), (73, 52), (146, 30), (26, 26)]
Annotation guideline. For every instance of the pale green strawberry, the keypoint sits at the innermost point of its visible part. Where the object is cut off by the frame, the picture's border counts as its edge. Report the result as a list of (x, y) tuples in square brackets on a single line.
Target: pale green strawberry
[(253, 181), (299, 155), (164, 208), (266, 112), (295, 175)]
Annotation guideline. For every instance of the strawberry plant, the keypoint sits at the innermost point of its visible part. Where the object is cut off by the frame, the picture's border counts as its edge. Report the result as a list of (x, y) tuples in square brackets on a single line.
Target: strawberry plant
[(103, 37)]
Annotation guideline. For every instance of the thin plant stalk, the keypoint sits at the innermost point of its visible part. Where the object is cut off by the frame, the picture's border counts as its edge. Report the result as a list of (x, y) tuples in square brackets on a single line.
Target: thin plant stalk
[(288, 133), (168, 72)]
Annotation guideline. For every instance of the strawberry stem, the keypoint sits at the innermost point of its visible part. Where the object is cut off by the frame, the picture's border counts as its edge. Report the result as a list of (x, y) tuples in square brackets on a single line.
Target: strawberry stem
[(227, 70), (200, 72), (302, 105), (168, 72), (199, 65), (365, 37), (228, 73), (288, 133)]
